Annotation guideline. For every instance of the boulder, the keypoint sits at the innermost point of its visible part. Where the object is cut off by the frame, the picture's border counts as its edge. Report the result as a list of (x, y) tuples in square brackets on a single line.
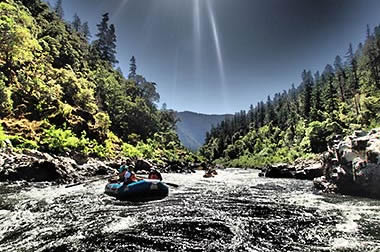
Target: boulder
[(313, 171), (357, 168), (360, 143), (281, 170), (142, 165)]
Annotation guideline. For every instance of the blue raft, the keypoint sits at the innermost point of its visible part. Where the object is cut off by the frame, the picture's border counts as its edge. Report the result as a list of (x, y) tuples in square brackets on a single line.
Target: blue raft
[(143, 190)]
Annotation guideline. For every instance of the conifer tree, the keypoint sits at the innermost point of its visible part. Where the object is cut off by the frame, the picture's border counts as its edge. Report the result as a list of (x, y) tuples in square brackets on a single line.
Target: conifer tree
[(106, 42), (329, 94), (112, 45), (132, 68), (316, 105), (307, 81), (341, 76), (352, 61), (77, 24), (58, 8), (269, 112), (86, 31)]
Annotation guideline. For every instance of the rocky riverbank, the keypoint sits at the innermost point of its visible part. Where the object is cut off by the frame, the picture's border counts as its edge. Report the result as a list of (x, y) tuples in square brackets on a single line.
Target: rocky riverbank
[(352, 165), (32, 165)]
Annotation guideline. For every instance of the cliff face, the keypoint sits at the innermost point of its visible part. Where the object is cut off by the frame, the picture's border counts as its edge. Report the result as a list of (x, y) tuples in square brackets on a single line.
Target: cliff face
[(352, 165), (192, 127)]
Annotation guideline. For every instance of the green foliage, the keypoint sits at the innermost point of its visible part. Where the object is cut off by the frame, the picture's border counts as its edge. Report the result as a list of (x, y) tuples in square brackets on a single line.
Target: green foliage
[(5, 97), (344, 98), (17, 30), (22, 143), (51, 76), (129, 150), (3, 137), (60, 140)]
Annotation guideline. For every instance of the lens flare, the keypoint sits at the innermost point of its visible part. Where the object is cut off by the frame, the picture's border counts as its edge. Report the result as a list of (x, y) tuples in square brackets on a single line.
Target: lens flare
[(122, 4), (197, 45), (218, 52)]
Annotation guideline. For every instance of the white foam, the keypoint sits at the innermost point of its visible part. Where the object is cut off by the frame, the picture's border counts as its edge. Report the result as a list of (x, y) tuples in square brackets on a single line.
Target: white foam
[(121, 223)]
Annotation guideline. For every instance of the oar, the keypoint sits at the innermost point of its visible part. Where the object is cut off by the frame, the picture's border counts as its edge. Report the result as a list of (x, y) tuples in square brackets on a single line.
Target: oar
[(171, 184), (168, 183), (89, 181)]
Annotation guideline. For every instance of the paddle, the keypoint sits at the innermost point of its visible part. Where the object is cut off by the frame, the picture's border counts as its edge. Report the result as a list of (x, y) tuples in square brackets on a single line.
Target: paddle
[(89, 181), (171, 184), (168, 183)]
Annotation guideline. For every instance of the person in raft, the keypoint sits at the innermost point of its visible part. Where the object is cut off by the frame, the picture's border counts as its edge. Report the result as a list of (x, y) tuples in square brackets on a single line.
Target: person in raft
[(154, 174), (209, 174), (130, 177), (126, 175)]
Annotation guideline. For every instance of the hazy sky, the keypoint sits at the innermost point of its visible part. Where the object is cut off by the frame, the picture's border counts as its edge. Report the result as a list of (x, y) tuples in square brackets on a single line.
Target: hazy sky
[(220, 56)]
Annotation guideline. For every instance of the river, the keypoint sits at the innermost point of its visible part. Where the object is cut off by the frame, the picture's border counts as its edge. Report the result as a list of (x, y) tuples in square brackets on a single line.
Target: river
[(234, 211)]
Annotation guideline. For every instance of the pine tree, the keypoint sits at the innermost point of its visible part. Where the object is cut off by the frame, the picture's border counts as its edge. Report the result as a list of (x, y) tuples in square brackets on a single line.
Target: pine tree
[(58, 8), (86, 31), (352, 61), (106, 42), (132, 68), (112, 45), (329, 94), (270, 115), (368, 32), (77, 24), (316, 103), (341, 76), (307, 81)]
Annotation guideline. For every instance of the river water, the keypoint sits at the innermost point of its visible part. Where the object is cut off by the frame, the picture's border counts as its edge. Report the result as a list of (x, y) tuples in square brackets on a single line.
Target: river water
[(234, 211)]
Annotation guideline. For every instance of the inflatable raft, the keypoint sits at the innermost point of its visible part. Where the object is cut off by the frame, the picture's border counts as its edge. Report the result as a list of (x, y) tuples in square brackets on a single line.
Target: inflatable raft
[(143, 190)]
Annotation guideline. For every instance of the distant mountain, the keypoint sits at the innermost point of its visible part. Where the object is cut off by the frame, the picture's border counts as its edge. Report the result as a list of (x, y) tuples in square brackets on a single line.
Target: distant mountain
[(192, 127)]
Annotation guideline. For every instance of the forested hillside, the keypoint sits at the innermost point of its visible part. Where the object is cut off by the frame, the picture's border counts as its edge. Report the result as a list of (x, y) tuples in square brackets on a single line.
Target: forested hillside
[(303, 120), (192, 127), (61, 93)]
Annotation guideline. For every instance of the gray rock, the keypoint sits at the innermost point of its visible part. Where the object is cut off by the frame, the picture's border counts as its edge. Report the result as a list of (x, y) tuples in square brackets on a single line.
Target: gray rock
[(357, 170)]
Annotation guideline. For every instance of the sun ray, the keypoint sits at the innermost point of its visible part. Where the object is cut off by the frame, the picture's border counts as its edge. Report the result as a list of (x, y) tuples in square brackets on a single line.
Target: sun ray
[(218, 53), (197, 44), (120, 8)]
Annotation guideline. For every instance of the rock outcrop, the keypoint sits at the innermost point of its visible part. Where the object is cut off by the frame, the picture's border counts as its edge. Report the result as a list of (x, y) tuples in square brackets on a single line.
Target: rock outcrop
[(36, 166), (31, 165), (352, 165), (301, 169)]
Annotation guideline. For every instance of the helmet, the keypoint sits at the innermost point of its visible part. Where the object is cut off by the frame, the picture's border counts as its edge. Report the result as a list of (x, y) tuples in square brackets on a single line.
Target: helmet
[(123, 167)]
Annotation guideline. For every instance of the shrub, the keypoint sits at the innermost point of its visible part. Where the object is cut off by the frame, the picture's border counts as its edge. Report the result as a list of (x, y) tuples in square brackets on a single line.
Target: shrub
[(60, 140), (129, 150), (3, 137), (22, 143)]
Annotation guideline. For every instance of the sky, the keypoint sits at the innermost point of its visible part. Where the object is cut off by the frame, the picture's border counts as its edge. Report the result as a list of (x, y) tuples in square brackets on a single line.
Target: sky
[(220, 56)]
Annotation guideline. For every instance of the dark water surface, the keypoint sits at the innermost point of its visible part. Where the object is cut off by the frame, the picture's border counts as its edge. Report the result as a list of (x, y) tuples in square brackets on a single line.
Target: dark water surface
[(235, 211)]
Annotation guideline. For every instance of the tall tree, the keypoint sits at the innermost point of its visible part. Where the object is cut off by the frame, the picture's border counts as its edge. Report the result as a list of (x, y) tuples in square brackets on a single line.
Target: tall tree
[(58, 8), (77, 23), (329, 92), (112, 45), (316, 103), (341, 76), (106, 42), (132, 68), (352, 61), (270, 115), (86, 31), (307, 81)]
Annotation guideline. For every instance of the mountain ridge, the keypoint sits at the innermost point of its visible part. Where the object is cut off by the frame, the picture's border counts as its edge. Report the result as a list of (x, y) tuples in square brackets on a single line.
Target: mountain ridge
[(192, 127)]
